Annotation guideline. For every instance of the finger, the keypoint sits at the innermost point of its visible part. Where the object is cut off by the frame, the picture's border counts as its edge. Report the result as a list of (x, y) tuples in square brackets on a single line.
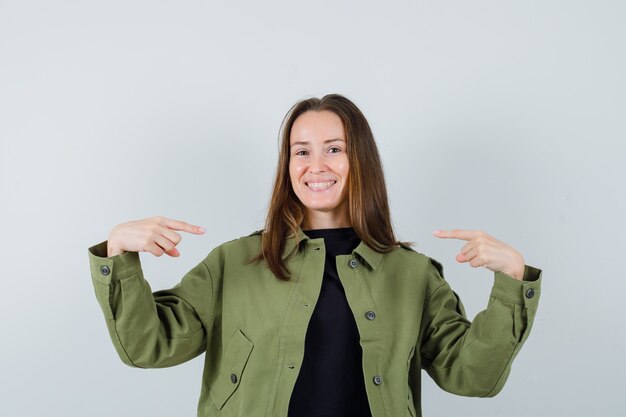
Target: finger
[(184, 226), (164, 243), (174, 253), (154, 249), (468, 256), (173, 237), (478, 261), (467, 247), (458, 234), (161, 248)]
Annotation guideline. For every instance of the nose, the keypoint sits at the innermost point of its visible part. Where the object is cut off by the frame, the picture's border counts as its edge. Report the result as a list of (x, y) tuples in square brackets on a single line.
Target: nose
[(317, 163)]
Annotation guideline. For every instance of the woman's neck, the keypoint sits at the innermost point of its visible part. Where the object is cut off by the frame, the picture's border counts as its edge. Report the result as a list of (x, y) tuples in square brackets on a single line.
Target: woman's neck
[(332, 223)]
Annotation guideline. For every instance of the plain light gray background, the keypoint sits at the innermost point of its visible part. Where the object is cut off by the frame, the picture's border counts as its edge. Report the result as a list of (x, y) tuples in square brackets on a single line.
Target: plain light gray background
[(503, 116)]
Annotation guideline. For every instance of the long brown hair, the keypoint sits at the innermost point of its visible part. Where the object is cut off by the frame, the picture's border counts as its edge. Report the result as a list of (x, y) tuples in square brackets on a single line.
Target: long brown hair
[(367, 192)]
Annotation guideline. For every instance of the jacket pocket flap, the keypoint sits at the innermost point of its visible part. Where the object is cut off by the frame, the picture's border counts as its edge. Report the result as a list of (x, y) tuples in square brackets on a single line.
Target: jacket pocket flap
[(233, 363)]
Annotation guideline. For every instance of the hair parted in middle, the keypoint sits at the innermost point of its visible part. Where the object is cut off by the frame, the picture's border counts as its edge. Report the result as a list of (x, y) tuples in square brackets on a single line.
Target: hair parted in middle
[(367, 192)]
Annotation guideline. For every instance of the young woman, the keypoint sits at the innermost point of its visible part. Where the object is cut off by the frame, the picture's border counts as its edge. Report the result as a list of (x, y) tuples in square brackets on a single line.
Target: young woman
[(323, 312)]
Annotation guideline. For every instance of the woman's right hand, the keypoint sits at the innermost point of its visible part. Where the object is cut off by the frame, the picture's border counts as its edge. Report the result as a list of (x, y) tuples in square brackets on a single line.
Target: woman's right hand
[(155, 235)]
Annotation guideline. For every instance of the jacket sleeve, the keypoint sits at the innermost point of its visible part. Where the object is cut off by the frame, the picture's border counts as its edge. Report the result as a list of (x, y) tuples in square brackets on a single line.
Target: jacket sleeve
[(151, 330), (474, 358)]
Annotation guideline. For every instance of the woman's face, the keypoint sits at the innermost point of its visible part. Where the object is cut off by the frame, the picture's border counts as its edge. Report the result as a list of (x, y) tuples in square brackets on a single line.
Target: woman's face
[(318, 168)]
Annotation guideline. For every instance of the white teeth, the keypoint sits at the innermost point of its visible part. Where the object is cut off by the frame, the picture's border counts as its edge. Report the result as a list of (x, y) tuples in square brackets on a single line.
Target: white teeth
[(320, 185)]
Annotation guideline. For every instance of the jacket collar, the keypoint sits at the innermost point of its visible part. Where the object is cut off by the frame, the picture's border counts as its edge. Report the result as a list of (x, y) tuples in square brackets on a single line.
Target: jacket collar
[(368, 254)]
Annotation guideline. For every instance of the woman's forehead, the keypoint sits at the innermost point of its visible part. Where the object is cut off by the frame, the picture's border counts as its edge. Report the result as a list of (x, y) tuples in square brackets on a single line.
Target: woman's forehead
[(317, 126)]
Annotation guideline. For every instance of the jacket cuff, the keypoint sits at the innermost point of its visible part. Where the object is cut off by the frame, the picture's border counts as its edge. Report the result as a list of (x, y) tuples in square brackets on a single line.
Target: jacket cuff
[(106, 269), (525, 292)]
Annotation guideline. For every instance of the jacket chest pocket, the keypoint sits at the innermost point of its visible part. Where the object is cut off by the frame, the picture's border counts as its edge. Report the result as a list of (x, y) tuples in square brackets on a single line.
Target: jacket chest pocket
[(232, 367)]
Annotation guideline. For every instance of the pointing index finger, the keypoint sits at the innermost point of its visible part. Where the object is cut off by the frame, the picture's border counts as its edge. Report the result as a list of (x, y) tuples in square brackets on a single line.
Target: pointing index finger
[(456, 234), (184, 226)]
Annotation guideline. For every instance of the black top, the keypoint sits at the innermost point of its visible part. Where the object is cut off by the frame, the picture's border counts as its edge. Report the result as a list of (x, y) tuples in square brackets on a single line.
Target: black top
[(330, 382)]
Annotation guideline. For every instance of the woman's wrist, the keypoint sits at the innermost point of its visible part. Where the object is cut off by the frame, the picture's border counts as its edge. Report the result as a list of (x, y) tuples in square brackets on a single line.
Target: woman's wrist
[(113, 250)]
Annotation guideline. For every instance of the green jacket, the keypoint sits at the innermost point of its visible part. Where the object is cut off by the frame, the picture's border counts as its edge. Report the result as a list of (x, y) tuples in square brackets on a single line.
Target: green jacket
[(252, 326)]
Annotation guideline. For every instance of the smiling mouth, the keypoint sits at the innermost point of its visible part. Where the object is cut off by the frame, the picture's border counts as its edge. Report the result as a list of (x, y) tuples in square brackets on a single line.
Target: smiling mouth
[(320, 186)]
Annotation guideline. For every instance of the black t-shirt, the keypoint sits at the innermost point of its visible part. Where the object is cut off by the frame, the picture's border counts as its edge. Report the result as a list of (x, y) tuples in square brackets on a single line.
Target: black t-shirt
[(330, 382)]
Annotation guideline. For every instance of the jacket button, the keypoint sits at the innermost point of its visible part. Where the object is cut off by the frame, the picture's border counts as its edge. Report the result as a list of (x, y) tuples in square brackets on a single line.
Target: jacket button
[(353, 263), (233, 378), (370, 315), (529, 293), (105, 270), (378, 380)]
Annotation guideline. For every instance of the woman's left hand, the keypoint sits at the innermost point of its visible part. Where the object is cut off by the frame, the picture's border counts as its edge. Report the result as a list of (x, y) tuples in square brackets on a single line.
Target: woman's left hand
[(484, 250)]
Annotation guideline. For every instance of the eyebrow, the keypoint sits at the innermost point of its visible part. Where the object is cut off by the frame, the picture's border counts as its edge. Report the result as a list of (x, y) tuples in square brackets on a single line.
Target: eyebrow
[(301, 142)]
